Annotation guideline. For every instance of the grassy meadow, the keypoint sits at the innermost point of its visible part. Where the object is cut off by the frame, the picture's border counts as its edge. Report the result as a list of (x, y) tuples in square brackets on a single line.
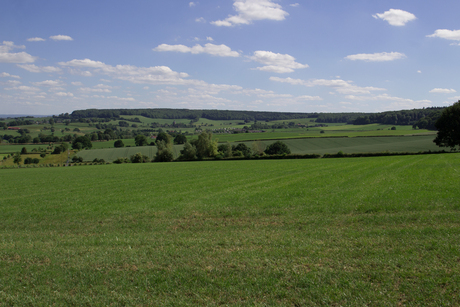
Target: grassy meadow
[(380, 231)]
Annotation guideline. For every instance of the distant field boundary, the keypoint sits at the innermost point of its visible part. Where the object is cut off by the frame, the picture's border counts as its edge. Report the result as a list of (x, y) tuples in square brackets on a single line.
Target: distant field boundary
[(338, 155)]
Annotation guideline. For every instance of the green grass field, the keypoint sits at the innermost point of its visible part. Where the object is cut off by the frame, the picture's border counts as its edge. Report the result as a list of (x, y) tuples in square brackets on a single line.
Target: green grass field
[(381, 231), (297, 146)]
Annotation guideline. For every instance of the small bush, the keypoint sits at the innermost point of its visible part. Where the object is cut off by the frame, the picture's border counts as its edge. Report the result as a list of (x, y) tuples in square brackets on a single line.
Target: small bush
[(139, 158), (121, 160), (76, 159)]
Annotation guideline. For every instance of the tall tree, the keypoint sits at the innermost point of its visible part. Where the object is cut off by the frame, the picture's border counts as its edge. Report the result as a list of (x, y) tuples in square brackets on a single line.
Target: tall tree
[(140, 140), (164, 153), (448, 126), (205, 146), (188, 153), (17, 158)]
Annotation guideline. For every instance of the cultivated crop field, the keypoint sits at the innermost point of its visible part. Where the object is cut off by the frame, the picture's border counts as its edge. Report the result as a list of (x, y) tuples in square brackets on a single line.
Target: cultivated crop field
[(381, 231), (297, 146)]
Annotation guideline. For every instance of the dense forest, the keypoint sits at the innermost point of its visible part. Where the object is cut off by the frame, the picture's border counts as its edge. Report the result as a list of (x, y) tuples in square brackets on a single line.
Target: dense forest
[(421, 118), (187, 114)]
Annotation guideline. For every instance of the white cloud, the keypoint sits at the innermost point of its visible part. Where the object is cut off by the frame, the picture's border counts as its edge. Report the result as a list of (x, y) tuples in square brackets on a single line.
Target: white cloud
[(341, 86), (217, 50), (250, 10), (95, 90), (276, 62), (209, 38), (61, 38), (63, 94), (49, 83), (443, 91), (78, 83), (7, 57), (309, 98), (36, 39), (121, 98), (103, 86), (37, 69), (24, 88), (376, 57), (453, 35), (56, 89), (7, 46), (11, 83), (149, 75), (397, 102), (20, 57), (7, 75), (419, 71), (294, 5), (192, 4), (200, 19), (396, 17)]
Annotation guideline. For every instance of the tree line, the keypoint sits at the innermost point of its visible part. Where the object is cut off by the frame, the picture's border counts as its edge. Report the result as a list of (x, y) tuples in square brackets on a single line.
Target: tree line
[(422, 118)]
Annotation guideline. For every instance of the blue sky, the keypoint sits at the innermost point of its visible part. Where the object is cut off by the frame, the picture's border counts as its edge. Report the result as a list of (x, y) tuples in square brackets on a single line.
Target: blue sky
[(265, 55)]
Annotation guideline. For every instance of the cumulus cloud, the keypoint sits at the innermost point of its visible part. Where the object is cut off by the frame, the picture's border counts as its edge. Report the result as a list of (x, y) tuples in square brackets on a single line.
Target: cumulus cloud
[(77, 83), (250, 10), (294, 5), (191, 4), (341, 86), (309, 98), (37, 69), (134, 74), (95, 90), (64, 94), (61, 38), (276, 62), (200, 19), (443, 91), (376, 57), (121, 98), (11, 83), (24, 88), (453, 35), (396, 17), (53, 83), (216, 50), (20, 57), (7, 75), (36, 39)]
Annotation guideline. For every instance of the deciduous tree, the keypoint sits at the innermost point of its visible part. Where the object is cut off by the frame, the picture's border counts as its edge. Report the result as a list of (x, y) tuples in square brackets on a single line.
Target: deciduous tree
[(277, 148), (164, 153), (140, 140), (118, 144), (448, 126), (84, 141)]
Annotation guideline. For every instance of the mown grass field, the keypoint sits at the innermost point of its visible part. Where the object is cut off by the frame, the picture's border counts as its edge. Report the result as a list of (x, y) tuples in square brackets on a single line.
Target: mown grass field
[(381, 231)]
